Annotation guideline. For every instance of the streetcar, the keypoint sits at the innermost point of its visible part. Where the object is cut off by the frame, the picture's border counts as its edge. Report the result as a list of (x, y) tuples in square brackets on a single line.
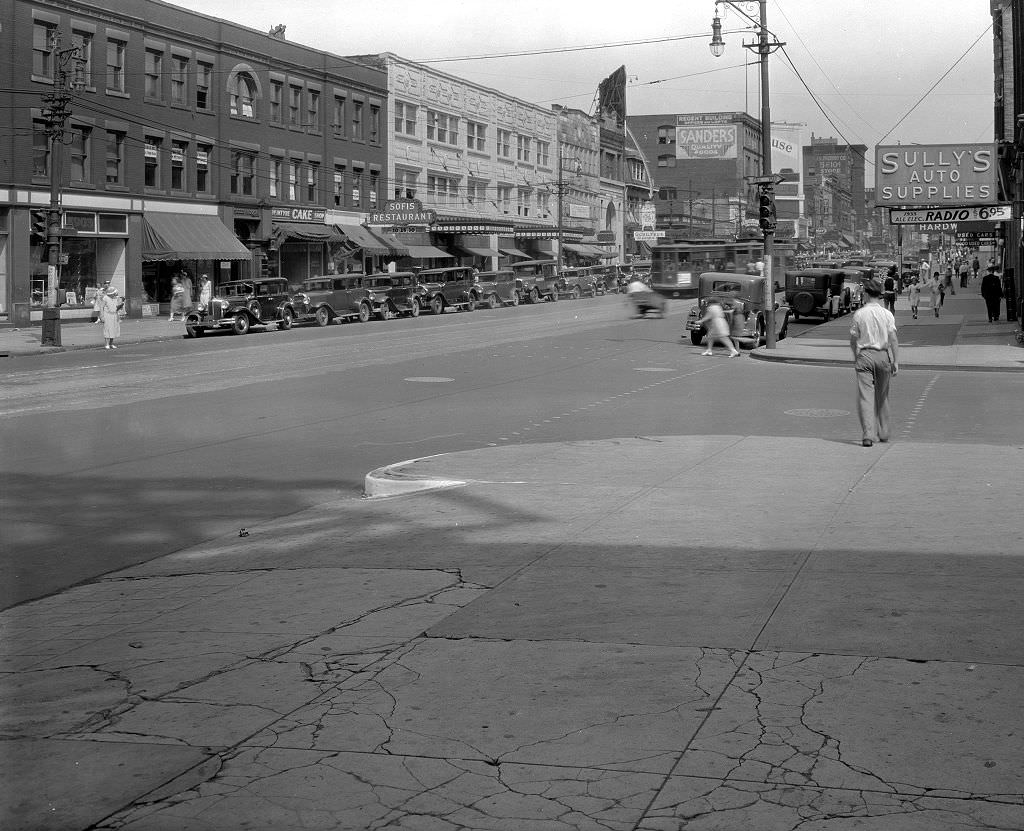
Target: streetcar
[(677, 266)]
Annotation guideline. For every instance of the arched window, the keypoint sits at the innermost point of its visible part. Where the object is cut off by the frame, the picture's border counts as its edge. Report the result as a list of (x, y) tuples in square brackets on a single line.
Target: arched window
[(243, 91)]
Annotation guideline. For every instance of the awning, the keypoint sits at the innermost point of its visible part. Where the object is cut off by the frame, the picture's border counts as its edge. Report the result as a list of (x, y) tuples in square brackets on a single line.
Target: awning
[(512, 251), (169, 236), (399, 249), (476, 246), (306, 231), (363, 238), (586, 250), (426, 252)]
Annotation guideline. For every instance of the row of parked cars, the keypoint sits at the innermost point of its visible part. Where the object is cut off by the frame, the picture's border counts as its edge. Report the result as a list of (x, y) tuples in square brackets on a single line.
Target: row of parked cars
[(243, 304)]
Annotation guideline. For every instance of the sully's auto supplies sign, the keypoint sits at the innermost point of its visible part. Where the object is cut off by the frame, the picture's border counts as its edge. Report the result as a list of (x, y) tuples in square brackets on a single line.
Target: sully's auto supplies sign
[(935, 175), (706, 136)]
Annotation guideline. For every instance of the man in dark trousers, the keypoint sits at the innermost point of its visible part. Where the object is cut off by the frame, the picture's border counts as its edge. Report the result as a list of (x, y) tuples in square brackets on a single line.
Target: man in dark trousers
[(876, 357), (889, 288), (992, 291)]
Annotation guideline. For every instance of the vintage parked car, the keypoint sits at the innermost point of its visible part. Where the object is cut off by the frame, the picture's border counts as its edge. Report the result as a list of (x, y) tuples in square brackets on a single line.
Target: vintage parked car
[(579, 281), (242, 304), (498, 288), (454, 287), (853, 285), (331, 297), (815, 291), (540, 279), (404, 293), (719, 286)]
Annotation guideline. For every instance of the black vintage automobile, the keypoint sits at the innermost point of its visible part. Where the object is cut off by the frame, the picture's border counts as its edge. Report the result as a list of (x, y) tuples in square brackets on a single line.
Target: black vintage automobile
[(816, 291), (242, 304), (751, 291), (540, 280), (499, 288)]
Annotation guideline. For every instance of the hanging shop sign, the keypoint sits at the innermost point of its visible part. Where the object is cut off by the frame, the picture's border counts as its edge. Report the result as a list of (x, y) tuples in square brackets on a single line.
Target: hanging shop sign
[(648, 236), (402, 212), (318, 215), (935, 174), (926, 216)]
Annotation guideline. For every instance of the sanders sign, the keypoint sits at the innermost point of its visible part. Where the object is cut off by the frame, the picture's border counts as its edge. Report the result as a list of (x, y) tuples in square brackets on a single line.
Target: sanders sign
[(935, 175)]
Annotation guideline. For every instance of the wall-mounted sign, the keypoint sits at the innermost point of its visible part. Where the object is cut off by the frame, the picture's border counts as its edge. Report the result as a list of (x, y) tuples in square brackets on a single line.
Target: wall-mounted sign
[(648, 236), (924, 216), (706, 141), (402, 212), (318, 215), (648, 215), (605, 236), (935, 174), (578, 211)]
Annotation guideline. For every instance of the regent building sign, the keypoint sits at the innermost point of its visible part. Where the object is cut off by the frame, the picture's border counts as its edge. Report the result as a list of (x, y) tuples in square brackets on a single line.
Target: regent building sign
[(705, 136), (935, 175)]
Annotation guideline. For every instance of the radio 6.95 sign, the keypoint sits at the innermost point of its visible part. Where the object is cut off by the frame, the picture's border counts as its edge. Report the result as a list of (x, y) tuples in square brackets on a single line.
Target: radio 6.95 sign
[(935, 174)]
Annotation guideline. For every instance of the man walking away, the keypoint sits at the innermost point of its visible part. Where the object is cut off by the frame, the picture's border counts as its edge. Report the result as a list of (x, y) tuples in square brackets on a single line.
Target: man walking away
[(876, 356), (889, 289), (992, 291)]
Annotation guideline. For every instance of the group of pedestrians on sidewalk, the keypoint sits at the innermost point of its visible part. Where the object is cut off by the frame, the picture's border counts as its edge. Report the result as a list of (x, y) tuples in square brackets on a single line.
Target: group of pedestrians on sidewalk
[(181, 294)]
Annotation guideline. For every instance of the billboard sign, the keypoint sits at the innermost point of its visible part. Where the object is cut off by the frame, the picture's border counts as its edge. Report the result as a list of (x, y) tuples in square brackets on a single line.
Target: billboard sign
[(935, 175), (706, 136), (925, 216)]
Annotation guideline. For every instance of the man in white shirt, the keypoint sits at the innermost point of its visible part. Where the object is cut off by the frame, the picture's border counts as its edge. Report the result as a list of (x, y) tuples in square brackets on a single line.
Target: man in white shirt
[(876, 354)]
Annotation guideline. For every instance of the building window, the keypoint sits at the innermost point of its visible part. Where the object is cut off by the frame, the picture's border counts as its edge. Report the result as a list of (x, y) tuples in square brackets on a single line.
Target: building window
[(276, 100), (204, 72), (505, 143), (667, 193), (42, 49), (179, 80), (40, 149), (666, 161), (293, 179), (374, 187), (357, 187), (243, 96), (374, 124), (152, 166), (357, 121), (442, 128), (442, 188), (543, 203), (154, 74), (275, 178), (178, 176), (294, 103), (84, 41), (405, 184), (339, 115), (313, 110), (476, 191), (544, 153), (339, 186), (504, 198), (79, 151), (476, 136), (115, 157), (523, 201), (405, 119), (203, 162), (666, 135), (312, 181), (242, 165), (522, 148), (115, 65)]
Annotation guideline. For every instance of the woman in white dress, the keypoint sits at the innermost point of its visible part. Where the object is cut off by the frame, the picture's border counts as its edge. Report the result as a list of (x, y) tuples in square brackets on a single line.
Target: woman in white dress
[(110, 308)]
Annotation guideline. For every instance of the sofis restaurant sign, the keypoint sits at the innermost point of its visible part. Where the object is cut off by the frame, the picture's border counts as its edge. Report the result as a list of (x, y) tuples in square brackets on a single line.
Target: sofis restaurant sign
[(935, 175)]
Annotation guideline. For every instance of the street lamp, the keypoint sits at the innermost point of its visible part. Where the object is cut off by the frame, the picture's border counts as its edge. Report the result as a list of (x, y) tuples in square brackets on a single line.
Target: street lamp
[(66, 62), (764, 48)]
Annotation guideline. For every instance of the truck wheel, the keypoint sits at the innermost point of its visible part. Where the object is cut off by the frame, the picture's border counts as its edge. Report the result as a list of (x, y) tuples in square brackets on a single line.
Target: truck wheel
[(192, 329), (240, 325), (364, 313), (323, 316)]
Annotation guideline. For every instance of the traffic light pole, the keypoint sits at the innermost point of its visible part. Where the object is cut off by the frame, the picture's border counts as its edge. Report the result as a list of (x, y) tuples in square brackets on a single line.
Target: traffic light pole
[(764, 49)]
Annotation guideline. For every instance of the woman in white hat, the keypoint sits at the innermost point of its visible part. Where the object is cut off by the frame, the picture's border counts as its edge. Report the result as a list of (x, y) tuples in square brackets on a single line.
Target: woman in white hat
[(110, 306)]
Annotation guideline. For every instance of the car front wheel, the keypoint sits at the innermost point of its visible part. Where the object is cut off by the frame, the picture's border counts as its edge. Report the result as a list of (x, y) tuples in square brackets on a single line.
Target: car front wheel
[(323, 316), (414, 307), (535, 295), (514, 299), (492, 301), (192, 327), (437, 305), (240, 325), (286, 320), (364, 312)]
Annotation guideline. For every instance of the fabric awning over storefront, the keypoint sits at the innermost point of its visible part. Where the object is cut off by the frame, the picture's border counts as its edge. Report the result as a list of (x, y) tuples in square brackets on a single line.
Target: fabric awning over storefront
[(426, 252), (361, 237), (512, 251), (170, 236), (395, 246), (587, 250), (306, 232), (477, 246)]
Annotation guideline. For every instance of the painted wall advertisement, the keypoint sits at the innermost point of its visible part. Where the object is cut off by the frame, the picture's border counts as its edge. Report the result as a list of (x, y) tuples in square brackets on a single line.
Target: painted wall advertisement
[(706, 136), (935, 175)]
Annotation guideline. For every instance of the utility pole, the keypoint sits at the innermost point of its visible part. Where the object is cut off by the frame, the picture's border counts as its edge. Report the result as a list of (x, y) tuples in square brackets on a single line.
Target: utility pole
[(56, 114)]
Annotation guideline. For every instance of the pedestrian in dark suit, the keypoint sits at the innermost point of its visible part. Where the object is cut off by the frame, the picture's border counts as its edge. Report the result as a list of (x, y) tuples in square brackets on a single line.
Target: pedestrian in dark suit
[(992, 291)]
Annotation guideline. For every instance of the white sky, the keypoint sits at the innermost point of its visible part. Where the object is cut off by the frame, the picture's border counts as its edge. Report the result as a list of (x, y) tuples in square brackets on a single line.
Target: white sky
[(867, 61)]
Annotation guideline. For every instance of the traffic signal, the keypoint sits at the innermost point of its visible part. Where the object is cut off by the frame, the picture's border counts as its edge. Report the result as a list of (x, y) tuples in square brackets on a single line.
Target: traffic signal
[(766, 209), (39, 227)]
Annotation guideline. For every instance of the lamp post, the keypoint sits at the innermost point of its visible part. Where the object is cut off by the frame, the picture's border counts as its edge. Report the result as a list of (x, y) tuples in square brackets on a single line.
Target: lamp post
[(764, 48), (56, 114)]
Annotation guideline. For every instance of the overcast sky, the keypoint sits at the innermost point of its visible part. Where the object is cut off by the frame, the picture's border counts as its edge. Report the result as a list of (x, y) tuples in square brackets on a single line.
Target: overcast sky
[(868, 62)]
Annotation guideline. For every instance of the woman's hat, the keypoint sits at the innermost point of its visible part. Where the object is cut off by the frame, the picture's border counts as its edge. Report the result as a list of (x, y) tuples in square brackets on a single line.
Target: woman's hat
[(111, 291)]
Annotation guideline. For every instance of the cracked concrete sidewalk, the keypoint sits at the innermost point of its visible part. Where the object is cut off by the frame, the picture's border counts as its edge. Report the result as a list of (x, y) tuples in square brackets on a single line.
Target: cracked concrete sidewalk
[(589, 635)]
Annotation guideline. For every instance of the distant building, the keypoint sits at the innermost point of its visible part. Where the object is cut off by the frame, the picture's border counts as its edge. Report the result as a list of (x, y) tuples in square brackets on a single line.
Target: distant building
[(833, 182)]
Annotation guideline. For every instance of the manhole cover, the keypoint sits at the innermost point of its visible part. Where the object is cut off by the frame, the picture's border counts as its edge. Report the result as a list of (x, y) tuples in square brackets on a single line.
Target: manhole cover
[(654, 369), (811, 413), (429, 379)]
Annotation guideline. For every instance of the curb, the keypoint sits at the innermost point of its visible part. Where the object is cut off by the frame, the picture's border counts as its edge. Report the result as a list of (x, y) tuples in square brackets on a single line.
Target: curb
[(759, 355), (390, 480), (74, 347)]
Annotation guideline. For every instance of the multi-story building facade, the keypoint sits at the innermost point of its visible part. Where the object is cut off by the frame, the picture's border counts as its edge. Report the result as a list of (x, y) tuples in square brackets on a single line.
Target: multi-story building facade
[(194, 143), (1008, 246), (702, 162), (483, 162), (833, 177)]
